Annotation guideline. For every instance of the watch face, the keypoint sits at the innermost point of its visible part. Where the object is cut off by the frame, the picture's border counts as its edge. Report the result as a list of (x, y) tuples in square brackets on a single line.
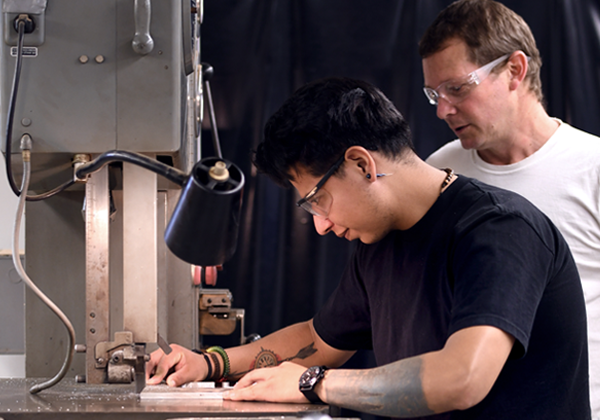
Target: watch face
[(310, 377)]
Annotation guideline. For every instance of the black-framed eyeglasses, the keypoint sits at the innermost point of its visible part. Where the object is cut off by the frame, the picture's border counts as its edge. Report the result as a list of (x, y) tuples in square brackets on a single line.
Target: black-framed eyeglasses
[(318, 202)]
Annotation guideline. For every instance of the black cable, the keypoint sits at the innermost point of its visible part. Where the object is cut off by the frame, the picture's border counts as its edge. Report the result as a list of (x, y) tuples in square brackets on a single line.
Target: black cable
[(169, 172), (9, 126), (11, 109)]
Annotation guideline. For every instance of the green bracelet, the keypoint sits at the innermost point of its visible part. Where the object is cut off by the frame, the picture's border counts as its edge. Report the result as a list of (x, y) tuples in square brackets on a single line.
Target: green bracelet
[(223, 353)]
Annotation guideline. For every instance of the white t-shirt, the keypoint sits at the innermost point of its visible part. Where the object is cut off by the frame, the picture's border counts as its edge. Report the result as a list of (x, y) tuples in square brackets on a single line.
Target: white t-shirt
[(563, 180)]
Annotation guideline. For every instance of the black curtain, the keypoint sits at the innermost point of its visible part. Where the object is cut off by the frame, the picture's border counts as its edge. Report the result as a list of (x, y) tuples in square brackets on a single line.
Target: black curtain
[(262, 50)]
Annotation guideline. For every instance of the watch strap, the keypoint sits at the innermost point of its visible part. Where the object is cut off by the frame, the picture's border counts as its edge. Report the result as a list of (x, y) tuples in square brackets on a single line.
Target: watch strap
[(308, 389)]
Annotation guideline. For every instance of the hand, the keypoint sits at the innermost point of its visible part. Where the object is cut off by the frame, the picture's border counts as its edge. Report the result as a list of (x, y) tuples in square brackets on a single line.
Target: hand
[(272, 384), (179, 367)]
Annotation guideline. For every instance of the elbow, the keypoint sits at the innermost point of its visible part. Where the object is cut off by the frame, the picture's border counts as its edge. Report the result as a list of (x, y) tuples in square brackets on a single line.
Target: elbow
[(468, 390)]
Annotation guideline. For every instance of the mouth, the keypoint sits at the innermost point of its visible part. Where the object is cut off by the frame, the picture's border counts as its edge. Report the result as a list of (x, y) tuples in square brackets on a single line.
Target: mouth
[(459, 129), (344, 234)]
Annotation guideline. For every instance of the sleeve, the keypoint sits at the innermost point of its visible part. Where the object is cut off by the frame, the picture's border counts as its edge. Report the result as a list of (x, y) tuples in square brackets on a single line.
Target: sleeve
[(500, 270), (344, 322)]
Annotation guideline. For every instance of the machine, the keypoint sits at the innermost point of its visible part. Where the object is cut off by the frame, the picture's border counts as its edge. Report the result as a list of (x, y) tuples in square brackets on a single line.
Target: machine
[(122, 208)]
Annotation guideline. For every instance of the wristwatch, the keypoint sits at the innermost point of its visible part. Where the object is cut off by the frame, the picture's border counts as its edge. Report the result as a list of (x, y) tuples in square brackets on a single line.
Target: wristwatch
[(309, 380)]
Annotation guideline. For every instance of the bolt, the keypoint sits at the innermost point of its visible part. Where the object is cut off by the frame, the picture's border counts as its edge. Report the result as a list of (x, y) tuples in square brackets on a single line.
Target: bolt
[(93, 330), (100, 360), (83, 59), (99, 59)]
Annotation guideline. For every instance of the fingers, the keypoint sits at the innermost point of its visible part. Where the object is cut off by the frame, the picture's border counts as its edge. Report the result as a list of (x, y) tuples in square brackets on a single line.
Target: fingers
[(153, 362), (160, 364), (181, 376), (242, 392), (179, 367), (273, 384), (247, 380)]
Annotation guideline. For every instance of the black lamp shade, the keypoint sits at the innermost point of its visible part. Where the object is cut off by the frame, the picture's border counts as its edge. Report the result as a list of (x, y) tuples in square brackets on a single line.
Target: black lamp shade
[(204, 227)]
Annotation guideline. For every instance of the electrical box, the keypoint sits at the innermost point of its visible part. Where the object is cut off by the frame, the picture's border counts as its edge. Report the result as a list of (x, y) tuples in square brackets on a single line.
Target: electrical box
[(83, 87)]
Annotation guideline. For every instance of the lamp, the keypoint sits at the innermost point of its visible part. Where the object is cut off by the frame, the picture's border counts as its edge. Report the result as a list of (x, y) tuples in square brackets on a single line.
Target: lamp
[(204, 227)]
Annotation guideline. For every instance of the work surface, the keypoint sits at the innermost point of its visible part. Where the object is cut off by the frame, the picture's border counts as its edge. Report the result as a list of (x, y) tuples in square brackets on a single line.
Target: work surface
[(70, 400)]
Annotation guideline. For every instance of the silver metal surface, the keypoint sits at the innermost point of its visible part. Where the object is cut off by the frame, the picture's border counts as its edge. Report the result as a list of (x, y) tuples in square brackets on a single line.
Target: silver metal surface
[(70, 400), (140, 254), (97, 302)]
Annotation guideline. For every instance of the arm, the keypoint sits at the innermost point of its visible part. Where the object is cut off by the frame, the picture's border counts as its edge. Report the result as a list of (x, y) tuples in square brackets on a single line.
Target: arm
[(298, 343), (456, 377)]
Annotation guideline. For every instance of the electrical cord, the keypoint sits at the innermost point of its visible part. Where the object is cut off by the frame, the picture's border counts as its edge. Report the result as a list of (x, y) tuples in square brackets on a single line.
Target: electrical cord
[(11, 109), (169, 172), (26, 151), (9, 126)]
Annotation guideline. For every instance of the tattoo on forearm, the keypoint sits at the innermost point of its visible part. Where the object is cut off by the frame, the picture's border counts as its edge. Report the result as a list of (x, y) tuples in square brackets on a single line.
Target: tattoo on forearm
[(393, 390), (303, 353), (268, 358)]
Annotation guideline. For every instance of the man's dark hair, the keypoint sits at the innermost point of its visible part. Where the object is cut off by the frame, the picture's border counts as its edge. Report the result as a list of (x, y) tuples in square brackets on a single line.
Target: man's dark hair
[(322, 119)]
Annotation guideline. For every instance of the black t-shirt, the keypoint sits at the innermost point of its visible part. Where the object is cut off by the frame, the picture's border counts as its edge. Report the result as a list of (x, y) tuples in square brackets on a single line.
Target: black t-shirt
[(480, 256)]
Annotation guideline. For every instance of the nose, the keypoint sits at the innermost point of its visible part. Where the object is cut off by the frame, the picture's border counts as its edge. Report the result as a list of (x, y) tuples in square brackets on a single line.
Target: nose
[(444, 108), (322, 225)]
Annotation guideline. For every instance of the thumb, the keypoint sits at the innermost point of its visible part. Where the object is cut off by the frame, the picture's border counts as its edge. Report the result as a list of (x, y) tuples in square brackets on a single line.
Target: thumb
[(176, 379)]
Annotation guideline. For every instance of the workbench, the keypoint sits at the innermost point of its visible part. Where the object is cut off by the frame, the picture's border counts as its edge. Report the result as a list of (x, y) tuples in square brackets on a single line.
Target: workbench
[(72, 401)]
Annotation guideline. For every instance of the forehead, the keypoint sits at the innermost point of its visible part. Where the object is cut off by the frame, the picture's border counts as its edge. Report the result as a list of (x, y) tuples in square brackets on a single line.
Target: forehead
[(449, 63)]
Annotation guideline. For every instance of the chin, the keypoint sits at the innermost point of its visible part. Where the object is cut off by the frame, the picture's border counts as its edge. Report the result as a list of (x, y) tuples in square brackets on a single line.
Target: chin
[(371, 239), (468, 144)]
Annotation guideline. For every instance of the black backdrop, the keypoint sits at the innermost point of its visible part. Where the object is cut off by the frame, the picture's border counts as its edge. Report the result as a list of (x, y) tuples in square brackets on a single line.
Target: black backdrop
[(262, 50)]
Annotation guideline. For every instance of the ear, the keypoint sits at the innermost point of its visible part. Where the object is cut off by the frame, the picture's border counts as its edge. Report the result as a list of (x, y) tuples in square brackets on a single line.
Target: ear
[(517, 66), (361, 161)]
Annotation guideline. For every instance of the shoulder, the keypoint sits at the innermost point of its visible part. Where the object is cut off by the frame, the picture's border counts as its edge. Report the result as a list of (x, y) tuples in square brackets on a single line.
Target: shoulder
[(577, 138), (490, 204), (448, 155)]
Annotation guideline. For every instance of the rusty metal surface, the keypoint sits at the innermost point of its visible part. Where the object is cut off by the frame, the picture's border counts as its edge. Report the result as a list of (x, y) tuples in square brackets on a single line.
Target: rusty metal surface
[(69, 400)]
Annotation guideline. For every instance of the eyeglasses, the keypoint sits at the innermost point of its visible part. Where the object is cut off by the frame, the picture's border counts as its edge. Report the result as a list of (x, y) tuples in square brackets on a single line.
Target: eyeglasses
[(318, 202), (455, 91)]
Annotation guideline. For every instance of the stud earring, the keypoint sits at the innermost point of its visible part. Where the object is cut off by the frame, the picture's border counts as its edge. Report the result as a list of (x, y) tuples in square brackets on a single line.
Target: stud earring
[(378, 175)]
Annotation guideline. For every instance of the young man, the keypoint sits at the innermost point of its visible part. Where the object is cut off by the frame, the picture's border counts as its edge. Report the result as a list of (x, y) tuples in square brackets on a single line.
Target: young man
[(506, 138), (467, 294)]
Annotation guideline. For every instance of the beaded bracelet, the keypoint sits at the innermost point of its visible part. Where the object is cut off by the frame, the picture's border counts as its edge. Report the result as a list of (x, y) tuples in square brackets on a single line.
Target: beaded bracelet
[(223, 353)]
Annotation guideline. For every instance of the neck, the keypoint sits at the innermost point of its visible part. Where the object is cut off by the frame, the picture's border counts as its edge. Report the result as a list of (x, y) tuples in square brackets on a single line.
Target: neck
[(525, 135), (414, 197)]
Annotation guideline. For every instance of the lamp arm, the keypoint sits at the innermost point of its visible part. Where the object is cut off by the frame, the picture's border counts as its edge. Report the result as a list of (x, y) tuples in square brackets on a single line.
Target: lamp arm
[(169, 172)]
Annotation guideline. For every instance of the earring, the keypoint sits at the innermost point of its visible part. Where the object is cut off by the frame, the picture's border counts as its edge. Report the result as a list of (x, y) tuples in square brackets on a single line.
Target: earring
[(368, 176)]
